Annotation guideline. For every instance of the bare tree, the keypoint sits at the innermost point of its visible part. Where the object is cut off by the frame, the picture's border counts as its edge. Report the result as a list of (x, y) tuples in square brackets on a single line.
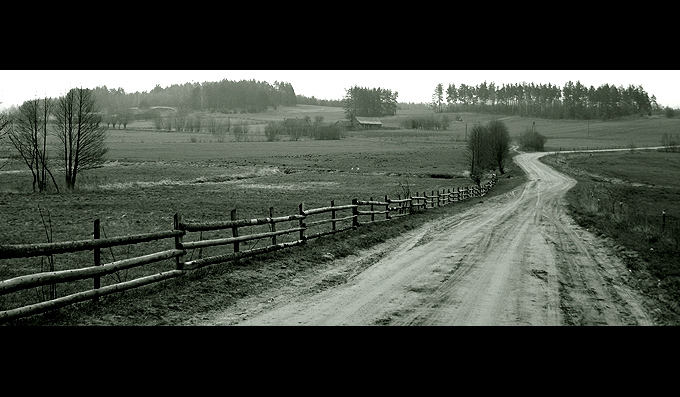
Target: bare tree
[(477, 151), (499, 144), (180, 119), (124, 117), (79, 128), (5, 121), (28, 134), (5, 125)]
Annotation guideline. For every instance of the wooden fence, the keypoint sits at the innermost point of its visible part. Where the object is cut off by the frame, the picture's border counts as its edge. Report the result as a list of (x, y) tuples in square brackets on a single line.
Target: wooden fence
[(353, 215)]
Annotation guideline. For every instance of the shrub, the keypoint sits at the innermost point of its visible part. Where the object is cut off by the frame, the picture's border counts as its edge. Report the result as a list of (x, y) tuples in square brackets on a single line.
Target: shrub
[(671, 142), (330, 132), (240, 131), (219, 128), (272, 131), (431, 122), (532, 140)]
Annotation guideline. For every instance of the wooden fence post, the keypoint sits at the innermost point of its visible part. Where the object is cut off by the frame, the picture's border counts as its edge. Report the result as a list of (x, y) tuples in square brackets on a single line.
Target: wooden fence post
[(372, 215), (301, 209), (97, 258), (663, 221), (272, 225), (178, 241), (387, 207), (333, 215), (234, 230), (355, 214)]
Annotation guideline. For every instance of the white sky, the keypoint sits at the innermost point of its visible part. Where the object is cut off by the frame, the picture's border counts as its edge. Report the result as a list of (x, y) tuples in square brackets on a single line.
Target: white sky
[(17, 86)]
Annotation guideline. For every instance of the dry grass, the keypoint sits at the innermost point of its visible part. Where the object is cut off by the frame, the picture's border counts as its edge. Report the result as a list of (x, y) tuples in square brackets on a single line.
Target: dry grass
[(151, 175), (622, 196)]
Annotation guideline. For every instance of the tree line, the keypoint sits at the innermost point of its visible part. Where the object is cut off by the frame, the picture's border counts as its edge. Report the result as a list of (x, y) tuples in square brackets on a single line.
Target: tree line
[(226, 96), (572, 101), (74, 119), (369, 102)]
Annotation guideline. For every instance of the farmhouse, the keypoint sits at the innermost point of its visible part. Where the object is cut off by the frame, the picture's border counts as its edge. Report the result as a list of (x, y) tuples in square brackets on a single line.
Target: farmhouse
[(366, 122)]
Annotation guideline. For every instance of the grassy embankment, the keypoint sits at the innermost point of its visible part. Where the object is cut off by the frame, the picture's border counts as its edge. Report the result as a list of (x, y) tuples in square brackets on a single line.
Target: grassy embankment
[(622, 195)]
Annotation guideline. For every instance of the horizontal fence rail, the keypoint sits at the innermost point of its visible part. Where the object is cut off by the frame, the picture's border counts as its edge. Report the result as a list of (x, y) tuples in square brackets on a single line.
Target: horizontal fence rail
[(40, 249), (352, 216)]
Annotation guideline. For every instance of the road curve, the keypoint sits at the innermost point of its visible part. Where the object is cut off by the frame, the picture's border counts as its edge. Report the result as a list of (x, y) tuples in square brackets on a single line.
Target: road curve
[(515, 259)]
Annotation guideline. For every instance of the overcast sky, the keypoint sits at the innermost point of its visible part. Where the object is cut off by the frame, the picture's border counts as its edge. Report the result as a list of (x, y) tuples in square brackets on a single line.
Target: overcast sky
[(17, 86)]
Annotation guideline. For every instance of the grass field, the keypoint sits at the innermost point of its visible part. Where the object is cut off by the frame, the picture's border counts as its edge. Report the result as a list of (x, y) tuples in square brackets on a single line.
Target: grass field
[(622, 196), (151, 175)]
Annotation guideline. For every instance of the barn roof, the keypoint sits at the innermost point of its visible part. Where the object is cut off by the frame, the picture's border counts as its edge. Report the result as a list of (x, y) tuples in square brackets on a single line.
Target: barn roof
[(368, 120)]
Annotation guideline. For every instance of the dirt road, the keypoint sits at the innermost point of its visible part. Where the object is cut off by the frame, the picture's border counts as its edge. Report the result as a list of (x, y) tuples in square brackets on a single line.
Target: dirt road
[(516, 259)]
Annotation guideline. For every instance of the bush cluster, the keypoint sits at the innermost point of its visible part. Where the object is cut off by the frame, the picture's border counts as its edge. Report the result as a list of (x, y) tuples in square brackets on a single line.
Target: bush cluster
[(426, 123), (317, 131), (532, 140)]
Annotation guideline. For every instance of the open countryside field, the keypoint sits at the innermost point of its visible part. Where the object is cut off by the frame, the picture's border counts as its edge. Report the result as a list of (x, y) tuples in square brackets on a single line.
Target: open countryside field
[(151, 175), (624, 195)]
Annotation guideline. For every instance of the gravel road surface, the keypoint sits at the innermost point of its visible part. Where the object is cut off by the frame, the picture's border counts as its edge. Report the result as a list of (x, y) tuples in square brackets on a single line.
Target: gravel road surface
[(515, 259)]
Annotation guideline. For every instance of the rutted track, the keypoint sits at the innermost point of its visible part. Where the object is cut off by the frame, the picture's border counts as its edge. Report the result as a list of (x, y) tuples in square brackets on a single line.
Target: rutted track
[(517, 259)]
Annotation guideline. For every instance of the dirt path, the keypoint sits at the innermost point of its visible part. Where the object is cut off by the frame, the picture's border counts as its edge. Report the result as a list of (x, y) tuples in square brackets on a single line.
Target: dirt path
[(516, 259)]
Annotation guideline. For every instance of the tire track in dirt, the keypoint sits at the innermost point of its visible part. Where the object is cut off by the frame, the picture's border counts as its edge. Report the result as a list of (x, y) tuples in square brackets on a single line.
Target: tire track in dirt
[(516, 259)]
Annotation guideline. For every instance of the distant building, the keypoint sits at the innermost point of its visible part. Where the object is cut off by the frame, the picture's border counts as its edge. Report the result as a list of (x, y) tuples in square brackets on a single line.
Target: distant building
[(366, 122), (344, 125), (163, 110)]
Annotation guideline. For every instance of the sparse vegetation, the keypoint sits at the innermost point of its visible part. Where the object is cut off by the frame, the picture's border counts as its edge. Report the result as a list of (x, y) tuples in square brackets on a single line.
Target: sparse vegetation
[(632, 198), (272, 131), (671, 142)]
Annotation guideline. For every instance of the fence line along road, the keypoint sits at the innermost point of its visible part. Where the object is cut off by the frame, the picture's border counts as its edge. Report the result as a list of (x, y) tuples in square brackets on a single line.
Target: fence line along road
[(389, 208)]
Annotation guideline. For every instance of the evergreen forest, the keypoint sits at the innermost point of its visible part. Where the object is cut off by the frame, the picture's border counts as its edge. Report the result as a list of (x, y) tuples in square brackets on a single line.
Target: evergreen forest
[(572, 101)]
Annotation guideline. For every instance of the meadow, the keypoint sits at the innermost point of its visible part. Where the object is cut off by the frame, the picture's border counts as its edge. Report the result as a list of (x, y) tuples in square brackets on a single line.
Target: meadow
[(150, 175), (633, 198)]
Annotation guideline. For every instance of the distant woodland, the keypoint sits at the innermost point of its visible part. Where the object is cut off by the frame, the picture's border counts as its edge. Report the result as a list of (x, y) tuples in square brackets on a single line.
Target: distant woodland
[(573, 101), (226, 96)]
